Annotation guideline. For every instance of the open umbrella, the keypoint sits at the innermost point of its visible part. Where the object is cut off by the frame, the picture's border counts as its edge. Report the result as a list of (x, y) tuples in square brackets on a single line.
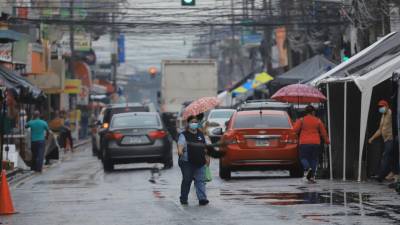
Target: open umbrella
[(299, 93), (200, 105)]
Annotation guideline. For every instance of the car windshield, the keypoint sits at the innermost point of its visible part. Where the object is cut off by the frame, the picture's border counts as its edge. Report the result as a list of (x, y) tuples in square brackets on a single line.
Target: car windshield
[(261, 121), (112, 111), (135, 121), (221, 114)]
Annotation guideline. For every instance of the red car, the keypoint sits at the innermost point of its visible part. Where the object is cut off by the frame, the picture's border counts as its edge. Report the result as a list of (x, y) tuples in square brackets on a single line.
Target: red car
[(260, 140)]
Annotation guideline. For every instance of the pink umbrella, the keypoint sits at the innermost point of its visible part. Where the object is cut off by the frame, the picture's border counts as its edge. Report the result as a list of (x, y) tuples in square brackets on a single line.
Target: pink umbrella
[(200, 106), (299, 93)]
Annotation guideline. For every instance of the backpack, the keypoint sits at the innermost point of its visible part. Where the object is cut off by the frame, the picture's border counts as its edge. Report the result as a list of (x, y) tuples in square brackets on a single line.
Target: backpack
[(195, 148)]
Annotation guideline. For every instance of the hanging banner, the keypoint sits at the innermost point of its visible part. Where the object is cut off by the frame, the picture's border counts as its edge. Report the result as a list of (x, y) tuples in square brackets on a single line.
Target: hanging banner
[(72, 86), (280, 38), (394, 19), (6, 52), (121, 48)]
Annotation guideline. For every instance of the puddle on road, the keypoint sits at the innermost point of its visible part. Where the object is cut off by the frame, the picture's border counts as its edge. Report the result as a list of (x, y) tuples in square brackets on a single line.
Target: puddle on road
[(354, 204), (334, 198)]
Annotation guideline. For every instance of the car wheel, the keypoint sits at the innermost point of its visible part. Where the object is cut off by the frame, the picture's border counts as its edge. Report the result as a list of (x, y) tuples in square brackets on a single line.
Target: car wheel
[(101, 150), (224, 172), (296, 171), (168, 161), (108, 164)]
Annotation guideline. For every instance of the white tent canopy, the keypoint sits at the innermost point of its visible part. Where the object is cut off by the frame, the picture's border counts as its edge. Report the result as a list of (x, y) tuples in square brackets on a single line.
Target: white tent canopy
[(365, 84)]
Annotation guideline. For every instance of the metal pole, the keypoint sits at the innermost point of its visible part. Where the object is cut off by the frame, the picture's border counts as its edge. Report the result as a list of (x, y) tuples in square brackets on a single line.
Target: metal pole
[(329, 133), (71, 39), (114, 54), (3, 116), (345, 131)]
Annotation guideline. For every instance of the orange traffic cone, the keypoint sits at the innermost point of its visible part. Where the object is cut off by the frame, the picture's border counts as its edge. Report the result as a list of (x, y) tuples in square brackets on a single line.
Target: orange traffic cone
[(6, 205)]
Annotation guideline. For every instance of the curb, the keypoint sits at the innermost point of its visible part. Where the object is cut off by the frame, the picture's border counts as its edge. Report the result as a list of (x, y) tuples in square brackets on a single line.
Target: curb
[(83, 142), (19, 174)]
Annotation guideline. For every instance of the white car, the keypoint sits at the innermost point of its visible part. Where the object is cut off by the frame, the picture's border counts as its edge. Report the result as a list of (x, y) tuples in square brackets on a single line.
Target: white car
[(217, 119)]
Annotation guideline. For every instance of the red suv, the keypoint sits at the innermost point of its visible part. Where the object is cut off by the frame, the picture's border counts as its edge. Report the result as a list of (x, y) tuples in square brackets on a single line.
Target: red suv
[(260, 140)]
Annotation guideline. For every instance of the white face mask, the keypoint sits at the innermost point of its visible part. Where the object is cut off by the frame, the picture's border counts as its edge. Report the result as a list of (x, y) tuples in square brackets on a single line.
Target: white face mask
[(382, 110), (194, 126)]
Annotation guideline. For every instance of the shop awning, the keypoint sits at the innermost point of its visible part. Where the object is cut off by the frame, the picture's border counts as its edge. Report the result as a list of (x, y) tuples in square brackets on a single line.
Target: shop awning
[(24, 89), (9, 36)]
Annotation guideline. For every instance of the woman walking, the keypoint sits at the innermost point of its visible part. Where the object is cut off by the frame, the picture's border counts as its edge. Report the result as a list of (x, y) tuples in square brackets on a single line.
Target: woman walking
[(192, 161), (310, 128)]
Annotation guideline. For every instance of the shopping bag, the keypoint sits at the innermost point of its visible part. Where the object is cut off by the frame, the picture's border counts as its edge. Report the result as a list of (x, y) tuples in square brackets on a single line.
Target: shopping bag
[(208, 174)]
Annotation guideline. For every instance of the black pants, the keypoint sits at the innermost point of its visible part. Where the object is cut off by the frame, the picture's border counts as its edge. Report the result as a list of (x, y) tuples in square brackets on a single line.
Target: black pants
[(37, 148), (388, 162), (64, 136)]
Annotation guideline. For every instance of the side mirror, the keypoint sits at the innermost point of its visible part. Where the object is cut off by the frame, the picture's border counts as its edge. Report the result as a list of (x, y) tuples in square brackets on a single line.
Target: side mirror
[(217, 131)]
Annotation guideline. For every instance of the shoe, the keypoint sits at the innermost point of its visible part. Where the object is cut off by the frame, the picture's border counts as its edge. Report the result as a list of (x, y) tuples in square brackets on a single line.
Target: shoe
[(312, 180), (184, 202), (390, 176), (204, 202), (392, 185), (309, 174)]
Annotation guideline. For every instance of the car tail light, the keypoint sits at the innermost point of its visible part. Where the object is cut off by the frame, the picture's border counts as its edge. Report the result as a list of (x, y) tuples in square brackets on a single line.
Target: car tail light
[(114, 136), (289, 139), (105, 125), (233, 139), (157, 134)]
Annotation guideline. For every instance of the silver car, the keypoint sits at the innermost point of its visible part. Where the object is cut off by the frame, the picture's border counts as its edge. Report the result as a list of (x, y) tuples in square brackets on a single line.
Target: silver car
[(217, 119), (137, 137)]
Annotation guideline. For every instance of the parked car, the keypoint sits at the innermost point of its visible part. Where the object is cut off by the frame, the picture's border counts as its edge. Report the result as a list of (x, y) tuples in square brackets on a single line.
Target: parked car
[(217, 119), (137, 137), (104, 120), (259, 140)]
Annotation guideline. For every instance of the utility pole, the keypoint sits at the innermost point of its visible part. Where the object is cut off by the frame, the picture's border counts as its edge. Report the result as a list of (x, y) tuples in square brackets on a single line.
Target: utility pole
[(211, 41), (114, 53), (71, 39), (267, 38), (232, 38)]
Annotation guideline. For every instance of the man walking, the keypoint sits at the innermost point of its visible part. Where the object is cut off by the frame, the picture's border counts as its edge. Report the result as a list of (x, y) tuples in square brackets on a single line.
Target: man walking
[(38, 129), (388, 168)]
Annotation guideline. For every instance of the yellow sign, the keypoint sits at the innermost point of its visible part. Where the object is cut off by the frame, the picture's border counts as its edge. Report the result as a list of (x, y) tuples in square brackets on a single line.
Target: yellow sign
[(72, 86)]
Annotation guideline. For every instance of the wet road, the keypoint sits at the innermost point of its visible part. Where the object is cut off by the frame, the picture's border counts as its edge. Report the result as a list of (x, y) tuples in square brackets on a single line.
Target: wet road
[(78, 192)]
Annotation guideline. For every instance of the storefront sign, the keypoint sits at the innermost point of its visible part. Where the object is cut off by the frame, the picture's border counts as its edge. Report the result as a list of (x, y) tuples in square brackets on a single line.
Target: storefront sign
[(72, 86), (82, 42), (83, 97), (6, 52)]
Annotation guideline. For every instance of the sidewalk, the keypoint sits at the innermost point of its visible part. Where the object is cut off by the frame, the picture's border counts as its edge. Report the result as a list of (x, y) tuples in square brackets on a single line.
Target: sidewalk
[(19, 174)]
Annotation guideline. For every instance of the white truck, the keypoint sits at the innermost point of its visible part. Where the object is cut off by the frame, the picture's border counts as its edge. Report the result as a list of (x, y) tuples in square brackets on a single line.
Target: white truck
[(187, 80)]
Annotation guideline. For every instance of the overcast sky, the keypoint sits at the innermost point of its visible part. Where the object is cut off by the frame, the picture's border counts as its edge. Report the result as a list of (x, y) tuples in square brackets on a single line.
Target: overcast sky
[(145, 48)]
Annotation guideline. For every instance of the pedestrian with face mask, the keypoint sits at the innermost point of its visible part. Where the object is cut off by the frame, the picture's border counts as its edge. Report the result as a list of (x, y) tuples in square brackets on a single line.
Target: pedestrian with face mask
[(192, 161), (388, 168)]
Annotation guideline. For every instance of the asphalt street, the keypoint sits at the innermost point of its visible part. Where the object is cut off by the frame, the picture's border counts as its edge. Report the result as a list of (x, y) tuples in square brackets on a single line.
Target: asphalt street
[(77, 191)]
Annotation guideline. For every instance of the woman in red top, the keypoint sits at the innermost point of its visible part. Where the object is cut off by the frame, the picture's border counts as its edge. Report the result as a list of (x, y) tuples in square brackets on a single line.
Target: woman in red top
[(310, 128)]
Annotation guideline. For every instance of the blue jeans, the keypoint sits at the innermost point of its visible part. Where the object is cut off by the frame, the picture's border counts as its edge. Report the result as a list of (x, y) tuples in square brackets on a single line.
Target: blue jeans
[(37, 148), (190, 173), (309, 157), (388, 164)]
